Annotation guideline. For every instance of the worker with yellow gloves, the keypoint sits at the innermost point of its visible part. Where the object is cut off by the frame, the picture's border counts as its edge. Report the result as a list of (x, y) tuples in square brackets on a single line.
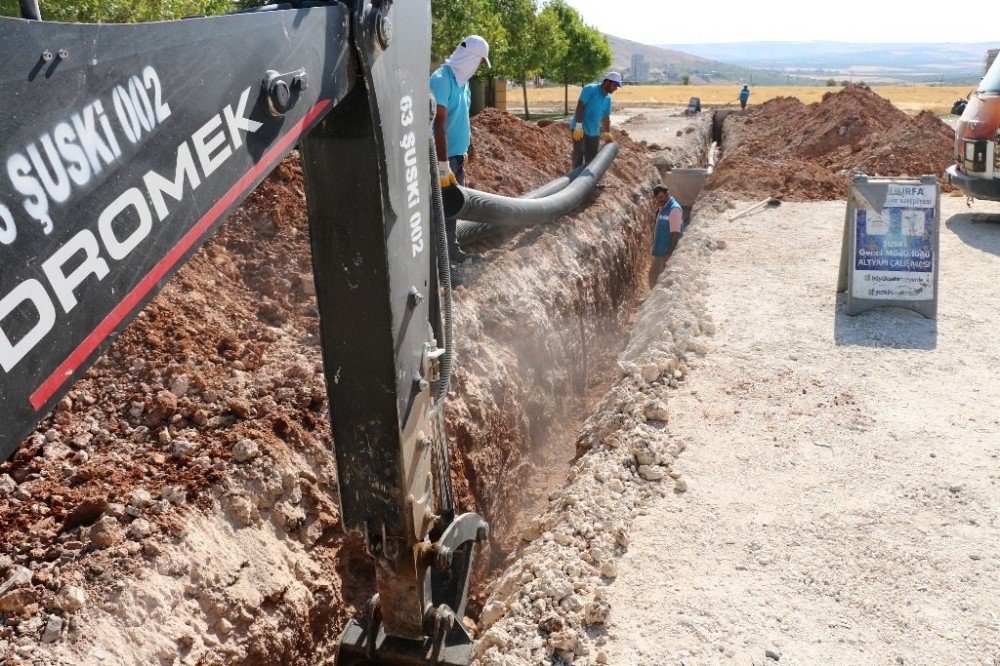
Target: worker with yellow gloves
[(452, 130), (592, 121)]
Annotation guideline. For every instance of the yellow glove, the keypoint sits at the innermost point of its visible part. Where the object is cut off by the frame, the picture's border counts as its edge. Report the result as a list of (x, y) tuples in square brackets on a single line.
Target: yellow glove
[(578, 134), (446, 175), (606, 137)]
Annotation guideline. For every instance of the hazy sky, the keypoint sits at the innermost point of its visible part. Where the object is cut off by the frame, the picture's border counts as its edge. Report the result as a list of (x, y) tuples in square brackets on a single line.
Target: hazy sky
[(688, 22)]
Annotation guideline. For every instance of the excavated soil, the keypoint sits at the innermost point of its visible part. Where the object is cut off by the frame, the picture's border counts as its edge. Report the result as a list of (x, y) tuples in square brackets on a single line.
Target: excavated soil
[(180, 505), (798, 152)]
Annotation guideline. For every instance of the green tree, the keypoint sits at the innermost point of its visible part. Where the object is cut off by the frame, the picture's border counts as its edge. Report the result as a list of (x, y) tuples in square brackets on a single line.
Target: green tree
[(685, 79), (845, 83), (830, 83), (539, 43), (588, 52), (105, 11), (454, 20)]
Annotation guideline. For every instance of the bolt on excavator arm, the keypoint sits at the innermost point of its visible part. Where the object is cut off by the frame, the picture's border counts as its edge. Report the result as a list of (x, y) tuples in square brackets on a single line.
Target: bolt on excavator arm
[(124, 147)]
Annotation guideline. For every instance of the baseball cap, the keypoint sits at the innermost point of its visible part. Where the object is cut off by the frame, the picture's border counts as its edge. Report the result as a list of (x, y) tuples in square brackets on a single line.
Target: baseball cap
[(478, 46), (614, 76)]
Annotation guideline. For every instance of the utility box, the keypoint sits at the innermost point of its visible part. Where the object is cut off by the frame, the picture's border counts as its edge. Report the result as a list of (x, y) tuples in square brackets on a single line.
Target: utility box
[(890, 251), (477, 90), (500, 94), (489, 93), (496, 93)]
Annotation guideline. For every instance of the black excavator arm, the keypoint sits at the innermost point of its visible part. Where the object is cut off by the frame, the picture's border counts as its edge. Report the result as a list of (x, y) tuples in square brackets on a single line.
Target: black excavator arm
[(122, 149)]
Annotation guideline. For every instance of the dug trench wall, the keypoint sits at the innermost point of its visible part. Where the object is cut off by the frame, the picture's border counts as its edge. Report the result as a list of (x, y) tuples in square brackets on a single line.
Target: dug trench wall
[(180, 505), (550, 604)]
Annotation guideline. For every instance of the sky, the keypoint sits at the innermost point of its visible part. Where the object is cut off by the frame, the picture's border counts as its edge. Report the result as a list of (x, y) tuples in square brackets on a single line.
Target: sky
[(690, 22)]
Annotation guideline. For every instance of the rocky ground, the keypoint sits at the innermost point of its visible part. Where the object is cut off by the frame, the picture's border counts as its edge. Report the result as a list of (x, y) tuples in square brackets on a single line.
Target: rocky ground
[(840, 470)]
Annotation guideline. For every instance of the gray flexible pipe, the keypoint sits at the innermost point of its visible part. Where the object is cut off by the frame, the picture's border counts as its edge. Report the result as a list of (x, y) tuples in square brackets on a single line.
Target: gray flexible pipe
[(467, 230), (547, 203)]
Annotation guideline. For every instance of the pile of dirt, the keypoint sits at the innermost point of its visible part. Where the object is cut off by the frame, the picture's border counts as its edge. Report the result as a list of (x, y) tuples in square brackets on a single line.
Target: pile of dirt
[(801, 152), (216, 388), (514, 156), (181, 502)]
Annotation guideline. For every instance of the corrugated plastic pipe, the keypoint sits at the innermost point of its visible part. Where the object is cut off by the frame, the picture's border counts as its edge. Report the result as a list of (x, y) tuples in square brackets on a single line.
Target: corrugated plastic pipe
[(482, 212)]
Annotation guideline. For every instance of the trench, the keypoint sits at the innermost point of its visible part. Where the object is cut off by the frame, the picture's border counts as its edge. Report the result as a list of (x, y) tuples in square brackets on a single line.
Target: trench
[(517, 442)]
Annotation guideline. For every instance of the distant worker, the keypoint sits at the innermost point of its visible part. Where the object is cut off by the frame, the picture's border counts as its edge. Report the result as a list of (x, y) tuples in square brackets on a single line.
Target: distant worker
[(452, 130), (744, 96), (592, 120), (668, 230)]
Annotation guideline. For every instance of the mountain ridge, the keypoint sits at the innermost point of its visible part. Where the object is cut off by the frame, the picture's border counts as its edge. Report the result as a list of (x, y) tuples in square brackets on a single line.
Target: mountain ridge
[(669, 65), (906, 61)]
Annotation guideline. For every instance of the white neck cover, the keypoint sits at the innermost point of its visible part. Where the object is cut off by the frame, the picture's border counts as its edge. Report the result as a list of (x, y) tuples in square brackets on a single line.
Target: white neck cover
[(463, 64)]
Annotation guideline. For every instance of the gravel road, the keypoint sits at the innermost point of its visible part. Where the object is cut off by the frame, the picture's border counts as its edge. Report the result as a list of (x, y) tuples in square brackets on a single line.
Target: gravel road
[(842, 471)]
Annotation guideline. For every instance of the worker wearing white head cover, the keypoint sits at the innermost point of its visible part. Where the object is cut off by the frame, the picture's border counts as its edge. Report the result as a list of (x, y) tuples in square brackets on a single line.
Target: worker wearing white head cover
[(467, 56), (452, 130)]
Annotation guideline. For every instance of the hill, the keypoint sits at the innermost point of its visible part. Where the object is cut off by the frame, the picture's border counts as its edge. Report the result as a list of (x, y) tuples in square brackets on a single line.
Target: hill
[(907, 62), (669, 65)]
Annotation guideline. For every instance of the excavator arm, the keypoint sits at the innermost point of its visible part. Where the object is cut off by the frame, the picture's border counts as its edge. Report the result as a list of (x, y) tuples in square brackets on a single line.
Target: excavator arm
[(124, 147)]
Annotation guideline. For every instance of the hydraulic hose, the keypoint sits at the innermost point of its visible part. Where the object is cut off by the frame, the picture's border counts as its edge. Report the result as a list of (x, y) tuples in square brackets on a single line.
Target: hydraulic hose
[(444, 274), (547, 203), (446, 494)]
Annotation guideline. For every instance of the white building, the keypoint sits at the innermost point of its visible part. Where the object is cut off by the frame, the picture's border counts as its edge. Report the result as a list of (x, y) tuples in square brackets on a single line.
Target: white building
[(640, 68)]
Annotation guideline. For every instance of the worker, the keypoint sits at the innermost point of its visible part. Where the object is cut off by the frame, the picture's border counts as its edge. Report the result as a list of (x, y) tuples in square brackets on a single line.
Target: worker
[(452, 130), (668, 230), (592, 121), (744, 96)]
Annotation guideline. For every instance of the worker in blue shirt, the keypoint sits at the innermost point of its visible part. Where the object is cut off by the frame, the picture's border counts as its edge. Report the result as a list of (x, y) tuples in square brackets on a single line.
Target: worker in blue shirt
[(668, 230), (744, 96), (452, 130), (592, 120)]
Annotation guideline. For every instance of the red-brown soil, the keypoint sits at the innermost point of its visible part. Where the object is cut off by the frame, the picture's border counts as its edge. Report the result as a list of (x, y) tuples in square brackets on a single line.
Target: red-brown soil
[(228, 352), (799, 152)]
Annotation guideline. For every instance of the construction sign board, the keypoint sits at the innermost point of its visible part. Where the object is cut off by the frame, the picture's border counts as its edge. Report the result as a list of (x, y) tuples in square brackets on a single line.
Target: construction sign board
[(890, 251)]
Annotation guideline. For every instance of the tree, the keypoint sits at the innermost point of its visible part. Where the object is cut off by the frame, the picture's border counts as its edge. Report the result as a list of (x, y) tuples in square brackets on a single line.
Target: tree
[(454, 20), (588, 52), (845, 83), (102, 11), (685, 79), (540, 42), (830, 83)]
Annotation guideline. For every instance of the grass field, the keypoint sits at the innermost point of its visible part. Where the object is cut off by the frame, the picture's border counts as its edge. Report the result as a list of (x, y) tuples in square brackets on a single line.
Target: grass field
[(911, 99)]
